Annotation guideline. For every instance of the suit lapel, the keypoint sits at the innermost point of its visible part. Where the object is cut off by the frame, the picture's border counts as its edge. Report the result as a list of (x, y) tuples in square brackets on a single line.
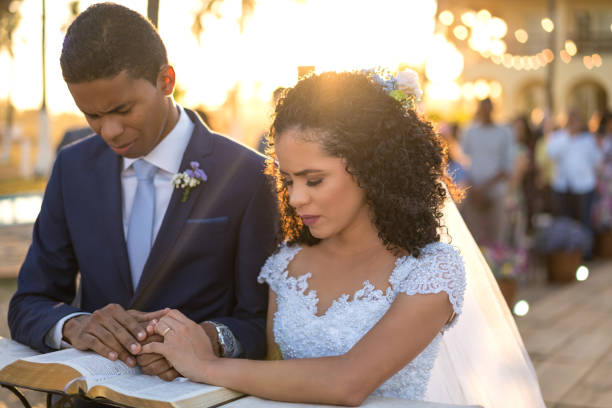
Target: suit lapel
[(200, 146), (109, 186)]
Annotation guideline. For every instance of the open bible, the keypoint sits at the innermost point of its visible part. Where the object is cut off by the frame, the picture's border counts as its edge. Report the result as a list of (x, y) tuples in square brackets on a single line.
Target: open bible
[(72, 371)]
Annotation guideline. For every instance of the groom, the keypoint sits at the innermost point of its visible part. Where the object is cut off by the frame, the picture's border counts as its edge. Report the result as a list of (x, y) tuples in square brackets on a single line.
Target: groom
[(110, 211)]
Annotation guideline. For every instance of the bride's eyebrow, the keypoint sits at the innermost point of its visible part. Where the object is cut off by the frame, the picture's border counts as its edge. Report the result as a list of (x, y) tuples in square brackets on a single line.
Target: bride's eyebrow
[(306, 172)]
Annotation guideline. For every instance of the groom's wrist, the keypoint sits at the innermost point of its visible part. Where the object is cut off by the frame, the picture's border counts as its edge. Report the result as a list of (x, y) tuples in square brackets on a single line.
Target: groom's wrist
[(229, 346), (211, 332)]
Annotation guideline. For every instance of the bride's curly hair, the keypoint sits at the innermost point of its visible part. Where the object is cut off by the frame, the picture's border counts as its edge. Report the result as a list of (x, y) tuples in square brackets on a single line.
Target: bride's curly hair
[(392, 153)]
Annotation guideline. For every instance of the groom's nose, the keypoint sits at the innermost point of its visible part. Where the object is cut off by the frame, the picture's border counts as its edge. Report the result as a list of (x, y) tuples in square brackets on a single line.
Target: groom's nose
[(110, 128)]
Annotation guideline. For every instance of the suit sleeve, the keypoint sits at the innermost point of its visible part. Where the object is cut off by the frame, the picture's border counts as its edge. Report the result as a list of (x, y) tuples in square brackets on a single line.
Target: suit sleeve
[(47, 279), (256, 242)]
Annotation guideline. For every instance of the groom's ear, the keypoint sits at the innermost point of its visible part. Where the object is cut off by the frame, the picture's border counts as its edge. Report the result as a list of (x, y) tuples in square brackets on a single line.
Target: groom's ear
[(166, 79)]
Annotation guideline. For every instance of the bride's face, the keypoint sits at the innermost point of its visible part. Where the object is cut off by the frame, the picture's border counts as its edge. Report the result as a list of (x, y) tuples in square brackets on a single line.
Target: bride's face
[(324, 194)]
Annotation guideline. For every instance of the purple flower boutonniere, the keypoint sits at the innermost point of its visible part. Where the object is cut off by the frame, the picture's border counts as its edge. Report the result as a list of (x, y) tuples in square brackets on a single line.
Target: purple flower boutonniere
[(189, 179)]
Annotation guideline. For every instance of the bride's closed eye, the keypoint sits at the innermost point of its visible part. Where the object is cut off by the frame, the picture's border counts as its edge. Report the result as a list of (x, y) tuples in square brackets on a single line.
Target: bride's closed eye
[(312, 183)]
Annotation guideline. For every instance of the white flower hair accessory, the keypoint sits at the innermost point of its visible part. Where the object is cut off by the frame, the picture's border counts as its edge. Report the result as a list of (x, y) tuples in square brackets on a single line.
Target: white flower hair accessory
[(403, 87), (408, 83)]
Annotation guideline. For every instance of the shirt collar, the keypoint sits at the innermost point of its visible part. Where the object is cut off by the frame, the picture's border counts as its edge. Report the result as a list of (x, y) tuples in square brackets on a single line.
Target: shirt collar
[(168, 154)]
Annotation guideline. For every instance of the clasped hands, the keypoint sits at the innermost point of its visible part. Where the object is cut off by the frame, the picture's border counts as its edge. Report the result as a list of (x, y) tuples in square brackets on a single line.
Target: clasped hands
[(135, 338)]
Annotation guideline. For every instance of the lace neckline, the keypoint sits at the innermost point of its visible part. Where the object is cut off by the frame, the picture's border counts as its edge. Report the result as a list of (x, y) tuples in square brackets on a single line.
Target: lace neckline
[(367, 292)]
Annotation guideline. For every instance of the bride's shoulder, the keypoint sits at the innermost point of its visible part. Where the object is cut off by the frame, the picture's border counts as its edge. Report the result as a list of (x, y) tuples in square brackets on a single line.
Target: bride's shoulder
[(433, 256), (277, 263), (439, 267), (442, 252)]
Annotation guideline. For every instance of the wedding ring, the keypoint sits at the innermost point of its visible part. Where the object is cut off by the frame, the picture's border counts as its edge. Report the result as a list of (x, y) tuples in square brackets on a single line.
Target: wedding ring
[(165, 331)]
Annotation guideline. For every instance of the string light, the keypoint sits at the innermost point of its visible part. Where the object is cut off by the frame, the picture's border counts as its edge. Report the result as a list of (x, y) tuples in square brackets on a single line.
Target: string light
[(461, 32), (597, 61), (468, 18), (484, 15), (495, 89), (446, 17), (498, 27), (565, 56), (485, 34), (570, 47), (547, 24), (521, 36), (548, 55)]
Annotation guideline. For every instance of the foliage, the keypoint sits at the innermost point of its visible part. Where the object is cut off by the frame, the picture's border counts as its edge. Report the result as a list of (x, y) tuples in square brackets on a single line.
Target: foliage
[(212, 7), (505, 262), (9, 20), (563, 234)]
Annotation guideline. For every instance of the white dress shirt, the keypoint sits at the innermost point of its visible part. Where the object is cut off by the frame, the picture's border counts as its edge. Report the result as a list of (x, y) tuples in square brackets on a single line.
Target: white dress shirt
[(576, 161), (491, 151), (167, 157)]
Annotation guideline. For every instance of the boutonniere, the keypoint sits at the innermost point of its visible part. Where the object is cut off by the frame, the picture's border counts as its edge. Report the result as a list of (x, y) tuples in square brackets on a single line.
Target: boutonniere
[(189, 179)]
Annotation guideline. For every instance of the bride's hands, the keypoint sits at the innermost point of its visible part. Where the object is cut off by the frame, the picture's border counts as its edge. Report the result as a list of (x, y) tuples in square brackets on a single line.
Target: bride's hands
[(186, 345)]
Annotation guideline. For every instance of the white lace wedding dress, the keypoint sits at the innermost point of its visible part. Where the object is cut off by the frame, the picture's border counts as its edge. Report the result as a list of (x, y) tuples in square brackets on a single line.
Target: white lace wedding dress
[(480, 360), (300, 333)]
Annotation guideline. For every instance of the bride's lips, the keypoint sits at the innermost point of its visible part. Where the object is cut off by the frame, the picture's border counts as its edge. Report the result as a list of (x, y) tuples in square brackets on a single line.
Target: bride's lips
[(309, 220), (121, 150)]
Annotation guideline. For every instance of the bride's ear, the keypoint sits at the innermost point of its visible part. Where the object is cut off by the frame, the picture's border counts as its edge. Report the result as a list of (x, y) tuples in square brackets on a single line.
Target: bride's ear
[(353, 173)]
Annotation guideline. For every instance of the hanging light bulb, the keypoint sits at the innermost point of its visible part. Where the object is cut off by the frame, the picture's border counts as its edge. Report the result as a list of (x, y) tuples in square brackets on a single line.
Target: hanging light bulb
[(446, 18), (570, 47), (521, 36), (547, 24)]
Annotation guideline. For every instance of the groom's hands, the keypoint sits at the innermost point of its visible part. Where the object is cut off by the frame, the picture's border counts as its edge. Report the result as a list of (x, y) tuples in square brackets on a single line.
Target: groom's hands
[(156, 364), (112, 332)]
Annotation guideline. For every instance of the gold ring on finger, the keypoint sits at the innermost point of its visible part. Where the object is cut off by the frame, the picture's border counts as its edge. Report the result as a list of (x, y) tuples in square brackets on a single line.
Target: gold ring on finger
[(165, 331)]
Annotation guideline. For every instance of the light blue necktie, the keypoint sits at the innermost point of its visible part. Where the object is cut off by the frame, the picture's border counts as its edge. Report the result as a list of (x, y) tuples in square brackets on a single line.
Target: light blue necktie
[(140, 228)]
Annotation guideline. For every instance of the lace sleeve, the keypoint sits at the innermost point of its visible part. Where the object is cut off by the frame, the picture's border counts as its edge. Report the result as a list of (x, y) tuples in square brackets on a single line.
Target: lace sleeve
[(439, 268), (272, 271)]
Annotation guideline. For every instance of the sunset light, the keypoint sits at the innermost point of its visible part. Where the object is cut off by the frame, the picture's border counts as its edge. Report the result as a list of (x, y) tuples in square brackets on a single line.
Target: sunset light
[(276, 39)]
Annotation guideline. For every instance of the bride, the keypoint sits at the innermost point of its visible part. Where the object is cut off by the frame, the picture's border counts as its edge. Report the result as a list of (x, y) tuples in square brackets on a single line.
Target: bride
[(364, 296)]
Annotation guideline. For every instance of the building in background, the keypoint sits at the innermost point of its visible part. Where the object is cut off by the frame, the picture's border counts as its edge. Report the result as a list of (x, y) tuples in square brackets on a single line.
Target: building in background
[(518, 53)]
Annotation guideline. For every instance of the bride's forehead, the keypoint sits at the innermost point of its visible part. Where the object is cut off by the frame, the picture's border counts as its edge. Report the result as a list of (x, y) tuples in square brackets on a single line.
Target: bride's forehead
[(299, 142), (296, 151)]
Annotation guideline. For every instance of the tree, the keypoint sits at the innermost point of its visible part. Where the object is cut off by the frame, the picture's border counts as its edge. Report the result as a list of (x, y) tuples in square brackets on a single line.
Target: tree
[(9, 20), (209, 7), (153, 11), (45, 154)]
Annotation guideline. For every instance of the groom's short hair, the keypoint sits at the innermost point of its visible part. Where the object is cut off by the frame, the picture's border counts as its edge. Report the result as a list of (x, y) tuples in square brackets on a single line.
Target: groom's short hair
[(105, 40)]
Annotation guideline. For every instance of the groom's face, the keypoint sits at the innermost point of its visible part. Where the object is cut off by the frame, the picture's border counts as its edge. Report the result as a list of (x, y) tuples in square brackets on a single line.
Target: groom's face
[(131, 115)]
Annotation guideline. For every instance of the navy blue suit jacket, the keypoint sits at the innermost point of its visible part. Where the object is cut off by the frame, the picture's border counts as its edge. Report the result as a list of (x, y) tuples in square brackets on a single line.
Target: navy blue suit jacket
[(204, 262)]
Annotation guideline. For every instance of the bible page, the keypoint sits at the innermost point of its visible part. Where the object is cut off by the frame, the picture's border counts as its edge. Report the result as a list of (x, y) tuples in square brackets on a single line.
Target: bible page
[(153, 388), (10, 351), (93, 367)]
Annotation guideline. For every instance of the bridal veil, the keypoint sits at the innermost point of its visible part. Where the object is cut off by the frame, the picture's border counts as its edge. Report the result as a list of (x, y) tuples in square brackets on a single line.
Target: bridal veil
[(482, 359)]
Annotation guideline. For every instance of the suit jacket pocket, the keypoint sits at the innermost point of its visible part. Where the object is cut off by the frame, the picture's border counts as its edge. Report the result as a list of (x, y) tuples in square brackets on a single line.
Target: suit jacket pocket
[(217, 224), (206, 236)]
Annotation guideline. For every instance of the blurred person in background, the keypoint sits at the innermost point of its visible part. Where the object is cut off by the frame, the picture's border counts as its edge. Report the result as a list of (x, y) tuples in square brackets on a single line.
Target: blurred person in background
[(523, 181), (490, 149), (458, 162), (602, 211), (545, 167), (577, 157)]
